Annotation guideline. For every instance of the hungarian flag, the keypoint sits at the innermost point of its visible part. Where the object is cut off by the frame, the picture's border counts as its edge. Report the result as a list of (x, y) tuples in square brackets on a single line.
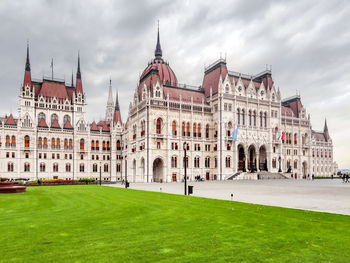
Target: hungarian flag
[(234, 135), (280, 138)]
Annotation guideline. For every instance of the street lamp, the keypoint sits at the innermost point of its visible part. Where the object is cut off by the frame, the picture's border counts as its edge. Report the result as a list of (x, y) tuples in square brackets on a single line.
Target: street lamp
[(185, 166), (100, 172), (279, 160)]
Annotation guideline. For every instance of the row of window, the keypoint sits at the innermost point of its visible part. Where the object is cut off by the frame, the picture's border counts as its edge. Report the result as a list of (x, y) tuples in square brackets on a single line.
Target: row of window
[(42, 167)]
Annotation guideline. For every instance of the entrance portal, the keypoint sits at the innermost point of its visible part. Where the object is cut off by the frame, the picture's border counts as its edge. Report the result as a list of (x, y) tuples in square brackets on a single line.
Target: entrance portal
[(262, 159), (251, 159), (158, 170), (241, 158)]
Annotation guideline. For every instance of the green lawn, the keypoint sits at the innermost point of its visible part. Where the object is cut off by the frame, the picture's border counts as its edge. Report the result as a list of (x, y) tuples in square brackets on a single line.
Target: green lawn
[(104, 224)]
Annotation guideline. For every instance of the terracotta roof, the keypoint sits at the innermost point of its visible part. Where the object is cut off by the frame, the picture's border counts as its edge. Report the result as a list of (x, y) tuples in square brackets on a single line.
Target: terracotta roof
[(55, 124), (94, 127), (51, 89), (10, 120), (105, 127), (27, 79), (42, 123), (285, 111), (186, 94), (67, 125), (117, 117), (212, 77)]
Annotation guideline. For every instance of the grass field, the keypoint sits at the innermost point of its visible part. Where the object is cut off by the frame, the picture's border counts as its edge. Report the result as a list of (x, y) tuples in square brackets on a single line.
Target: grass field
[(104, 224)]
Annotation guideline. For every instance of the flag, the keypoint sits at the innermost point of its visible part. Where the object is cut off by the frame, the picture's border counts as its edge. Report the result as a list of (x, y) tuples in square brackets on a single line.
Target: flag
[(234, 135), (281, 136)]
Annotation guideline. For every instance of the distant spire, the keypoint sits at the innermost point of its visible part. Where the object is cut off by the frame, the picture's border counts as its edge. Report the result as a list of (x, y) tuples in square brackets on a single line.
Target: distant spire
[(110, 95), (158, 51), (27, 61), (325, 129), (78, 70), (117, 103)]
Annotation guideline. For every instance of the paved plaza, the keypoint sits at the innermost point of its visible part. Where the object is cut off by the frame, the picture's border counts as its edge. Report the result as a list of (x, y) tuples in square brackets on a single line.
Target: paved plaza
[(331, 196)]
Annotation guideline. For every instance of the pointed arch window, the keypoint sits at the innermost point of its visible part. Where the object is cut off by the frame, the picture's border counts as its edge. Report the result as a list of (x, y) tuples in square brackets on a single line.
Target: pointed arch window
[(26, 141), (194, 130), (188, 129), (183, 129), (118, 145), (199, 130), (207, 131), (159, 126), (45, 143), (82, 144), (40, 142), (238, 116), (173, 128)]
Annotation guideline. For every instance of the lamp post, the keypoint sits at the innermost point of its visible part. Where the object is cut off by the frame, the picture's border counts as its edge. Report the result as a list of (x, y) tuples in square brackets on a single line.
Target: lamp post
[(100, 172), (244, 170), (185, 166), (279, 161)]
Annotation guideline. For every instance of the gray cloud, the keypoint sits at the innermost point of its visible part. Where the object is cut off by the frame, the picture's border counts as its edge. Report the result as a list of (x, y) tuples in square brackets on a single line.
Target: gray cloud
[(306, 42)]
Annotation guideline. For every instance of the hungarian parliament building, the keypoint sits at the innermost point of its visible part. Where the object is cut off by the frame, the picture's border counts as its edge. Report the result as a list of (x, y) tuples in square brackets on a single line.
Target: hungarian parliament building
[(50, 137)]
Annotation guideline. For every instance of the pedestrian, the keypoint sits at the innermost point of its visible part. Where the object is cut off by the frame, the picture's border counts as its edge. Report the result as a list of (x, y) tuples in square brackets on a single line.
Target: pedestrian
[(347, 178), (343, 177), (313, 177)]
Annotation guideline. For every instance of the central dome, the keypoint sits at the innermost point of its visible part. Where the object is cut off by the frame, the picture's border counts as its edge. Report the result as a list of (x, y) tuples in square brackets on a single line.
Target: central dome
[(159, 66)]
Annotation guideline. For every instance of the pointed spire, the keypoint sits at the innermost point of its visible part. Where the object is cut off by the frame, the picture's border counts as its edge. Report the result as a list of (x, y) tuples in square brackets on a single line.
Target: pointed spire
[(116, 108), (78, 70), (325, 129), (78, 85), (158, 51), (27, 61), (110, 94), (72, 79), (27, 73)]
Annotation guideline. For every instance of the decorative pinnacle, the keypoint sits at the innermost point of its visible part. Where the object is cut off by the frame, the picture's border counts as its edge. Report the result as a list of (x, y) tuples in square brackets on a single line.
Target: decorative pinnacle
[(78, 71), (27, 61), (117, 103), (158, 51)]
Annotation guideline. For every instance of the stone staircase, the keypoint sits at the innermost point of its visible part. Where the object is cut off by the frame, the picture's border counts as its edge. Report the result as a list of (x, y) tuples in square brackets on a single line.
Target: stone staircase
[(263, 175)]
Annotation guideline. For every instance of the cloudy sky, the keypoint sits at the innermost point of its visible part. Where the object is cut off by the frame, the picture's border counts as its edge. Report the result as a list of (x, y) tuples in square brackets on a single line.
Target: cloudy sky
[(306, 42)]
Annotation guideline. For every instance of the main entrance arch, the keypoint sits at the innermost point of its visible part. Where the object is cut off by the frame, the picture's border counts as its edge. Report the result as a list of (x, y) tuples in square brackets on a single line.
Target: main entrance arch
[(134, 170), (262, 158), (251, 158), (304, 169), (241, 158), (158, 168)]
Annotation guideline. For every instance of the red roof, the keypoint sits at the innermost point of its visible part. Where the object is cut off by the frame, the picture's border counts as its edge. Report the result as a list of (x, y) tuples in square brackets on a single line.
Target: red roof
[(186, 94), (212, 77), (51, 89), (105, 127), (117, 117), (67, 125), (55, 124), (166, 74), (10, 120), (42, 123), (286, 112), (27, 78), (79, 86), (94, 127)]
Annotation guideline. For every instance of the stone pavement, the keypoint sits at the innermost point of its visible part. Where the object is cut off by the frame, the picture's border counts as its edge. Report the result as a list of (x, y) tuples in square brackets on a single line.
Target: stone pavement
[(324, 195)]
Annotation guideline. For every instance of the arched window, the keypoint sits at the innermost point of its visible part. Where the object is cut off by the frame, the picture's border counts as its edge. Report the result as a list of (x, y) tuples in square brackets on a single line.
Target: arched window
[(295, 139), (53, 143), (254, 118), (103, 145), (81, 168), (82, 144), (250, 117), (118, 167), (105, 168), (118, 145), (27, 167), (243, 117), (196, 162), (53, 118), (295, 164), (45, 143), (183, 129), (265, 119), (13, 141), (42, 167), (93, 145), (8, 141), (41, 115), (207, 162), (261, 119), (207, 131), (238, 116), (40, 142), (65, 119), (26, 141), (228, 162), (108, 146), (199, 130), (65, 145), (68, 167), (159, 126), (58, 143), (10, 167), (97, 145), (227, 89), (70, 144), (94, 167), (174, 162), (194, 130), (55, 167), (188, 129), (173, 128)]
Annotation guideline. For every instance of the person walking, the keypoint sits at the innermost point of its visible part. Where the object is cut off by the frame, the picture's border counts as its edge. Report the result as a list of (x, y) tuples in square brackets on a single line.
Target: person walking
[(347, 178)]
